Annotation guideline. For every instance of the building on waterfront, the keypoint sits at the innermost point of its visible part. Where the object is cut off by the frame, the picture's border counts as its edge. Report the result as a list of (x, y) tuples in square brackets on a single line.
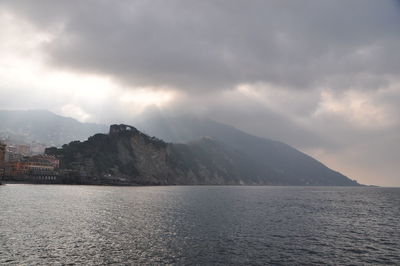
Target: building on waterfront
[(33, 168), (2, 159), (2, 153)]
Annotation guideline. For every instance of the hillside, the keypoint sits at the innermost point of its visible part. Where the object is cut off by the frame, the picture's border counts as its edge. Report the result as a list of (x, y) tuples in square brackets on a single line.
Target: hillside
[(294, 166), (127, 156)]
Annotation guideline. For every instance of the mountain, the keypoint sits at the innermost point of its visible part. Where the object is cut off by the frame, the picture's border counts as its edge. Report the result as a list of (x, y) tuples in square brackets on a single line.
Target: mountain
[(128, 156), (293, 166), (44, 127), (256, 158)]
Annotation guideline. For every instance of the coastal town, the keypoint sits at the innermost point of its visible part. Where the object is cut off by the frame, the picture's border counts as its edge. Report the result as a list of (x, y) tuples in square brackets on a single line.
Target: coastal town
[(27, 163)]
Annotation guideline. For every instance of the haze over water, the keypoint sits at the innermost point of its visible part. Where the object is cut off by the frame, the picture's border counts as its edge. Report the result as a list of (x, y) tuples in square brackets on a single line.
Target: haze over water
[(204, 225)]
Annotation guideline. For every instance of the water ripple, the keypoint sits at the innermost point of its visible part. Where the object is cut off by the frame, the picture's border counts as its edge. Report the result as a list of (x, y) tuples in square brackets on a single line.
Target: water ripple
[(198, 225)]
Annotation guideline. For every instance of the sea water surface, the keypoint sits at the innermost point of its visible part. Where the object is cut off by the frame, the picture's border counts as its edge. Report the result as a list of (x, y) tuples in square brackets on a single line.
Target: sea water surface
[(51, 224)]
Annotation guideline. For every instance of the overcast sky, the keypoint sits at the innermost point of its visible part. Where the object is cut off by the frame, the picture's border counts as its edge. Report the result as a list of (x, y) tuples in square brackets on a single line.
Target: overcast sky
[(322, 76)]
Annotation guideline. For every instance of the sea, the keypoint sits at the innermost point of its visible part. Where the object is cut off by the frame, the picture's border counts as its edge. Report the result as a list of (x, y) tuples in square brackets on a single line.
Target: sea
[(198, 225)]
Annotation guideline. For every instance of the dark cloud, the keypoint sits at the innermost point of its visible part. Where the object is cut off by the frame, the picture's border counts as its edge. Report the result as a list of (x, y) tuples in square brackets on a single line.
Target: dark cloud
[(209, 45)]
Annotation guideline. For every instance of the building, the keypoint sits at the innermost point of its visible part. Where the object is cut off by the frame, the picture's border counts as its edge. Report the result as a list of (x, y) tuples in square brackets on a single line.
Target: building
[(12, 157), (11, 149), (29, 167), (45, 160), (2, 153), (24, 149), (2, 159), (17, 168)]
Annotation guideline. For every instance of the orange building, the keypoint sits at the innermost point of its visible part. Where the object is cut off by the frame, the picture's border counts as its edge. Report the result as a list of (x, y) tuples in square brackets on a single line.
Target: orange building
[(33, 164), (17, 168), (44, 158)]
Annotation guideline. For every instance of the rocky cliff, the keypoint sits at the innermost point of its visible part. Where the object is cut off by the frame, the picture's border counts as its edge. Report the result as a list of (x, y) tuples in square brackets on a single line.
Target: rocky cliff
[(128, 156)]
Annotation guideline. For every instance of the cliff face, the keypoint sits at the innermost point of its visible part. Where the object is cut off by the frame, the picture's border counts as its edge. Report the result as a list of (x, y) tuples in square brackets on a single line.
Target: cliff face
[(127, 156)]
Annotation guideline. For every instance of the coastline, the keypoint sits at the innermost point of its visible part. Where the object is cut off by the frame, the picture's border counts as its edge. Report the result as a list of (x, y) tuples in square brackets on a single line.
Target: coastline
[(168, 185)]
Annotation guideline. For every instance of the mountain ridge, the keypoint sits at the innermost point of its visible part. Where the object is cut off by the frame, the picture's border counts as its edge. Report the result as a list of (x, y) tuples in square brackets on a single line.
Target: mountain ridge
[(264, 152), (128, 156), (263, 156), (45, 127)]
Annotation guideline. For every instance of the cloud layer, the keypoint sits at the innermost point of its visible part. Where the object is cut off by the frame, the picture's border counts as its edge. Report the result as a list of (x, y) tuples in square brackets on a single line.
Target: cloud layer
[(209, 45)]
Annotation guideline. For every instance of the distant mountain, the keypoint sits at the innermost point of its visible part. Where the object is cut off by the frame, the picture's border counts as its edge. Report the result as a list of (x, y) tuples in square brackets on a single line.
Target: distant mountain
[(45, 127), (293, 166), (127, 156)]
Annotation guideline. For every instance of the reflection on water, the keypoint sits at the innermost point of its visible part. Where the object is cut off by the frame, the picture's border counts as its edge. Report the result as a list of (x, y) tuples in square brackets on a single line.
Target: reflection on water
[(52, 224)]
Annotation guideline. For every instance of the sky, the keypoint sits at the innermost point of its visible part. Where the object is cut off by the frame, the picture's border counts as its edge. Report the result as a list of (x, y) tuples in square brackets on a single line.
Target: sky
[(322, 76)]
